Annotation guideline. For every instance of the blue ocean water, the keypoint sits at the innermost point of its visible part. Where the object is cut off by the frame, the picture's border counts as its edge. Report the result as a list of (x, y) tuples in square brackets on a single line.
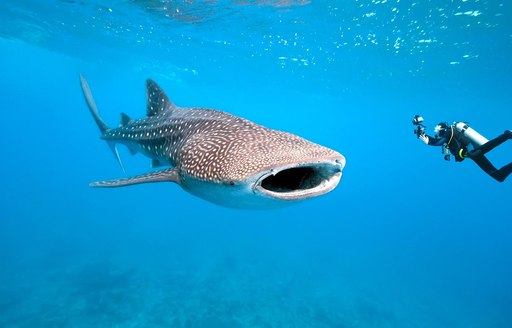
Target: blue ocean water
[(406, 239)]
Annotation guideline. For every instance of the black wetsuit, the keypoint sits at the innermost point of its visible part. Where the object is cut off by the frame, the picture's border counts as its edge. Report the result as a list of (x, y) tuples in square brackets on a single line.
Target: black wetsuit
[(457, 143), (458, 146)]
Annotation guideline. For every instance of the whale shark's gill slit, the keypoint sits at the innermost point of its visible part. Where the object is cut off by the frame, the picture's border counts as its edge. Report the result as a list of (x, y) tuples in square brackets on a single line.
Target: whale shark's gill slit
[(293, 179)]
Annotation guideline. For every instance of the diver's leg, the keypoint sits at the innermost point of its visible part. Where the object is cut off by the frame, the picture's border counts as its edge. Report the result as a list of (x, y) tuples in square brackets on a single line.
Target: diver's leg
[(485, 165), (491, 144), (502, 173)]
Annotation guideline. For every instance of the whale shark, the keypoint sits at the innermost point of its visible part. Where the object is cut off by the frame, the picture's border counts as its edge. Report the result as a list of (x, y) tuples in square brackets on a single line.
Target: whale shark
[(219, 157)]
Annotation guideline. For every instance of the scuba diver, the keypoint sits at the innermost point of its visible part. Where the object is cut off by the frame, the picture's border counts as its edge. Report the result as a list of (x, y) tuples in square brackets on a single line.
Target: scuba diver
[(464, 142)]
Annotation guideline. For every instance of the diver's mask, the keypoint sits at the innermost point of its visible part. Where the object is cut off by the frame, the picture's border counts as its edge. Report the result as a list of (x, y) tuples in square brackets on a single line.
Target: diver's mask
[(441, 129)]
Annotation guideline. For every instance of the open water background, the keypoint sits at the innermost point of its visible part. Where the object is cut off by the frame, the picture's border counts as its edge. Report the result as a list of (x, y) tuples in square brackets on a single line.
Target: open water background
[(406, 240)]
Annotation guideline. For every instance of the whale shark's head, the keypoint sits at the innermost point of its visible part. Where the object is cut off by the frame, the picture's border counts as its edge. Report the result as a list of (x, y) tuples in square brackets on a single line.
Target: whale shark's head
[(268, 168)]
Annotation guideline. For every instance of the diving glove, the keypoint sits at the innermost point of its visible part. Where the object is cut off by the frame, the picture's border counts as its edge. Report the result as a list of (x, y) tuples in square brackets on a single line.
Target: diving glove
[(423, 138)]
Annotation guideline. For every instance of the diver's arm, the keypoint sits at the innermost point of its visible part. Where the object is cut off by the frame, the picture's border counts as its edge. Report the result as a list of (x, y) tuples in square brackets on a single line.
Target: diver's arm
[(437, 141), (431, 141)]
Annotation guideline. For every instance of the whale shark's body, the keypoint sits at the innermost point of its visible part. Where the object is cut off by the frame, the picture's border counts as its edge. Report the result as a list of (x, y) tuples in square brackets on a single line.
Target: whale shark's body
[(219, 157)]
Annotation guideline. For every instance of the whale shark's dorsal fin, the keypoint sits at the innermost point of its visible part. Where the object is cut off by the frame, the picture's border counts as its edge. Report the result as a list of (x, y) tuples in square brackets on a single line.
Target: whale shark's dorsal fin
[(125, 120), (157, 100)]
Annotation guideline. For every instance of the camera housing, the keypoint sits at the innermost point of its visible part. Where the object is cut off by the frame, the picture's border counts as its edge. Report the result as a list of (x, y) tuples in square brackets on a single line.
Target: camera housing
[(420, 128), (417, 120)]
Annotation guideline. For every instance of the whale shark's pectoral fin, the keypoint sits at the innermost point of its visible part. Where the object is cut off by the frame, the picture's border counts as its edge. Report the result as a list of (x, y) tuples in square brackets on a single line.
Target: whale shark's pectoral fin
[(167, 175)]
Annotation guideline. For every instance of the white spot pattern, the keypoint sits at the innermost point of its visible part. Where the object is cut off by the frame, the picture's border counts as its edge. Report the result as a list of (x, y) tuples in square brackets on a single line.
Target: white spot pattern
[(213, 145)]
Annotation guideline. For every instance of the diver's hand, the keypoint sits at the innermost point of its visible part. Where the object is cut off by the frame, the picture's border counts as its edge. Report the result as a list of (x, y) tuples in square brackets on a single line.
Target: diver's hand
[(423, 138)]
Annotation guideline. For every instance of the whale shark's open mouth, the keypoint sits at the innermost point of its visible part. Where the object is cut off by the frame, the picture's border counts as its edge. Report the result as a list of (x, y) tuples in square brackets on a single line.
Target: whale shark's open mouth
[(301, 181)]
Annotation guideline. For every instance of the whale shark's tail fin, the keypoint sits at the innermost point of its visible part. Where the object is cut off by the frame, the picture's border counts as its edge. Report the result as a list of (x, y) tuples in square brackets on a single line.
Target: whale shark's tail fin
[(92, 106), (97, 118)]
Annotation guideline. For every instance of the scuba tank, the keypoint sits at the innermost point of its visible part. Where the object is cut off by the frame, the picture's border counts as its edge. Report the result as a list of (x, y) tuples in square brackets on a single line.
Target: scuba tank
[(474, 137)]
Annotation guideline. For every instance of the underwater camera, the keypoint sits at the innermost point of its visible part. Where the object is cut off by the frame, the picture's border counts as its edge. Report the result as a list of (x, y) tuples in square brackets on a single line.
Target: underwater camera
[(420, 128)]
